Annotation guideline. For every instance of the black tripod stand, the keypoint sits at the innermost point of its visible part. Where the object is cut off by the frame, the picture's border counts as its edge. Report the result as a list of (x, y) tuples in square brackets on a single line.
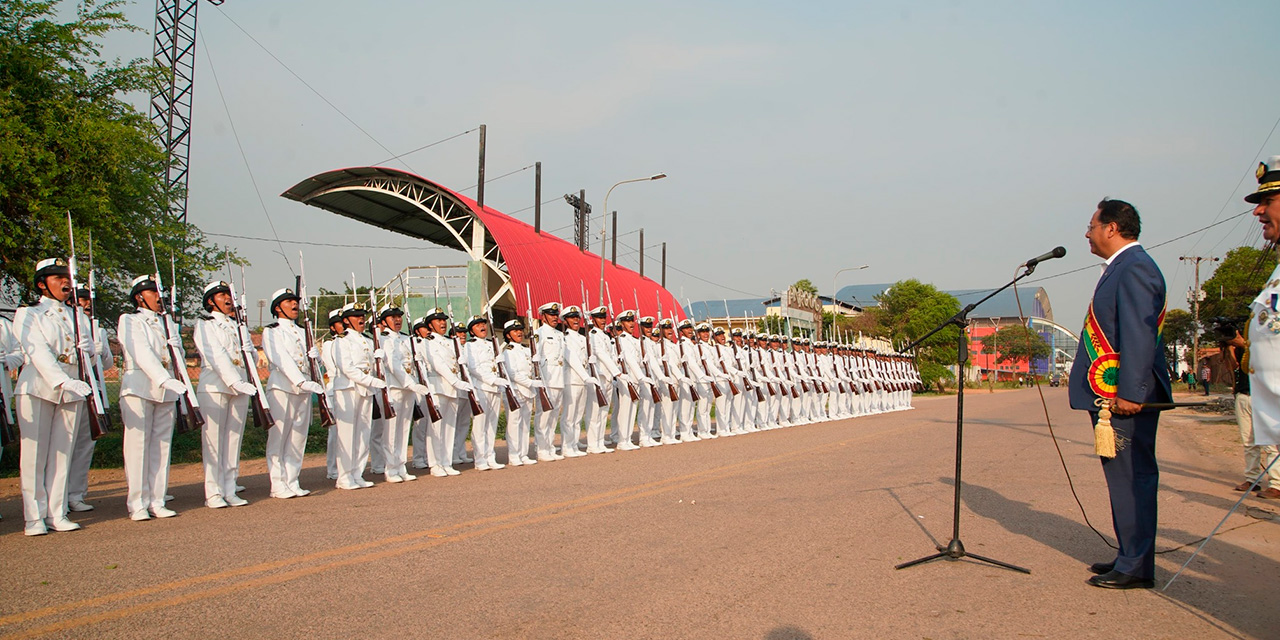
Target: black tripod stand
[(955, 549)]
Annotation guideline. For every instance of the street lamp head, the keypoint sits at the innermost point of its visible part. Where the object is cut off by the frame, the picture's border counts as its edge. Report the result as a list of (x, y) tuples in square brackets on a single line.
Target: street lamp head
[(658, 176)]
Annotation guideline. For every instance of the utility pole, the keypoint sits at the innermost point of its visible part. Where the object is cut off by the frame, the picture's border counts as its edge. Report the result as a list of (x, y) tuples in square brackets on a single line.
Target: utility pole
[(1194, 296), (581, 217)]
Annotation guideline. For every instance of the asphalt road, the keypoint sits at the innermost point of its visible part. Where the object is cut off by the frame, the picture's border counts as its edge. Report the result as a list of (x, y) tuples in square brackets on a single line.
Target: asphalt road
[(790, 533)]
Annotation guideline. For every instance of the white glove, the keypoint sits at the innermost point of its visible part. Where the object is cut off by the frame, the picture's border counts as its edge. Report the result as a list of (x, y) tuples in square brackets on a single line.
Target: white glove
[(420, 389), (647, 380), (313, 353), (78, 388), (591, 359), (378, 354), (463, 386), (706, 380), (175, 340), (377, 383), (311, 386), (462, 361), (13, 360), (593, 382), (244, 388), (502, 382), (537, 384), (85, 344), (175, 385)]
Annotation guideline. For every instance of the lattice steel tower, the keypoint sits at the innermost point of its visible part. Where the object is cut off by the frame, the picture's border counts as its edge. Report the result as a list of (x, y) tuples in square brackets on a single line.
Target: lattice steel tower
[(175, 51)]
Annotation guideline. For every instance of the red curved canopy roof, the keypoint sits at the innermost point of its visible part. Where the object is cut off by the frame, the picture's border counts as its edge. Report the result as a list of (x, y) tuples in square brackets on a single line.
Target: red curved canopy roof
[(545, 263)]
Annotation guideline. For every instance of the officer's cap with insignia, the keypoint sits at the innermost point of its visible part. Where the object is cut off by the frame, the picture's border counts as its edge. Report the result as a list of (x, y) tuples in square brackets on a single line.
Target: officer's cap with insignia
[(52, 267), (571, 312), (279, 296), (387, 311), (82, 293), (737, 331), (626, 314), (685, 324), (718, 331), (550, 309), (435, 313), (600, 312), (335, 316), (458, 327), (703, 327), (212, 289), (475, 320), (142, 283), (647, 321), (419, 323), (1268, 180), (511, 325), (666, 323), (352, 310)]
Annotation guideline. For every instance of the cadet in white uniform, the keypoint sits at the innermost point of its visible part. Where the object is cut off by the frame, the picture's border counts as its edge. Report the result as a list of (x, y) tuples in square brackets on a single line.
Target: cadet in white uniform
[(403, 390), (519, 366), (605, 360), (713, 358), (82, 450), (624, 415), (673, 412), (700, 409), (336, 327), (727, 364), (289, 389), (49, 397), (580, 386), (647, 411), (550, 357), (353, 387), (482, 365), (462, 422), (148, 391), (441, 363), (224, 394)]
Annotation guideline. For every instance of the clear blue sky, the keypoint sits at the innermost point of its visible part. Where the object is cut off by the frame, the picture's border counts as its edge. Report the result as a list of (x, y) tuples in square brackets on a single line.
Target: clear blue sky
[(943, 141)]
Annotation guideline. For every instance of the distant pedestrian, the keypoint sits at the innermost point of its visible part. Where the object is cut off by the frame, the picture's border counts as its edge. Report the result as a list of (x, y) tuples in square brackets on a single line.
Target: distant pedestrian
[(1205, 374)]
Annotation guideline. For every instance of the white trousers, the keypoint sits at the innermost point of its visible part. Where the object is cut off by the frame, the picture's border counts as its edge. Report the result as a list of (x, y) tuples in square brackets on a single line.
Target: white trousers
[(81, 460), (1256, 457), (287, 440), (575, 407), (461, 425), (418, 436), (441, 432), (645, 412), (686, 411), (44, 463), (395, 437), (624, 410), (224, 416), (724, 419), (597, 418), (668, 415), (484, 427), (544, 433), (518, 428), (353, 413), (738, 416), (148, 434), (331, 446)]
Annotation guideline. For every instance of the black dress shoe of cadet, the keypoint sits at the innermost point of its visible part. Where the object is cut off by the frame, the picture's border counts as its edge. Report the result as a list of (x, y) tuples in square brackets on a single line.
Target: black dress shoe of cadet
[(1102, 567), (1116, 580)]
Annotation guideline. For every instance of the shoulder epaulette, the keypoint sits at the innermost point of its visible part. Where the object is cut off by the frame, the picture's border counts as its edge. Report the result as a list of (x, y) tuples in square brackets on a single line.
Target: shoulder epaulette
[(509, 346), (272, 325)]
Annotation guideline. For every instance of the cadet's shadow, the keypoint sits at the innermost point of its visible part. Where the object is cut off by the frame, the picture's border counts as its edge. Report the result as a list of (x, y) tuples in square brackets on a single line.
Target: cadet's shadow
[(788, 632), (1225, 584)]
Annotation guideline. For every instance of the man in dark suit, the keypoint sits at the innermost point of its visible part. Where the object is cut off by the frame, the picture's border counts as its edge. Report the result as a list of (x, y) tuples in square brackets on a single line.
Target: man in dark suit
[(1125, 319)]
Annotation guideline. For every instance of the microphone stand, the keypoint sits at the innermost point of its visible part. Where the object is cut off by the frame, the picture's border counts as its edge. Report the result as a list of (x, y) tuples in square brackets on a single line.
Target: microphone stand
[(955, 548)]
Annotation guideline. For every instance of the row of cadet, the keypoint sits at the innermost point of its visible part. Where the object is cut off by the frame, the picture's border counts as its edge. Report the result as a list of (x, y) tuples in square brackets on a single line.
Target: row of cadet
[(380, 389)]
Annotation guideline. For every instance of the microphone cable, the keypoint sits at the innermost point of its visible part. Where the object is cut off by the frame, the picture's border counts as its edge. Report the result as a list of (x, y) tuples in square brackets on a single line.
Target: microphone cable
[(1063, 460)]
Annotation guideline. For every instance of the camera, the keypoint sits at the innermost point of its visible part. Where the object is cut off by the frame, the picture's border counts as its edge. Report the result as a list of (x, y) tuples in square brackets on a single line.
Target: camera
[(1226, 327)]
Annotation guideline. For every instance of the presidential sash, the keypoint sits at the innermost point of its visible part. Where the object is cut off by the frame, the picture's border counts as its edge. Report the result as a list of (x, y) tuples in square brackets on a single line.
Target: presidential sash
[(1104, 361)]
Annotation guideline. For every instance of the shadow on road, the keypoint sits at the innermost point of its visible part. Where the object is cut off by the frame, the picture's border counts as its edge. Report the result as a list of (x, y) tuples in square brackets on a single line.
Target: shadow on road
[(788, 633)]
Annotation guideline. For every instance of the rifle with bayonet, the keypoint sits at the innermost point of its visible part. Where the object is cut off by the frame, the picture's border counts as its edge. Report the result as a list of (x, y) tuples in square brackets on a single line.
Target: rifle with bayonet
[(512, 402), (544, 400), (644, 359), (309, 336), (98, 421), (189, 405), (432, 411), (388, 412), (457, 352), (591, 365), (248, 353)]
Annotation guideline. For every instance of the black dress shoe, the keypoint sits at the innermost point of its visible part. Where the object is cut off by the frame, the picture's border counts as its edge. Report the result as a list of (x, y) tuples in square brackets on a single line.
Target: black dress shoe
[(1116, 580), (1102, 567)]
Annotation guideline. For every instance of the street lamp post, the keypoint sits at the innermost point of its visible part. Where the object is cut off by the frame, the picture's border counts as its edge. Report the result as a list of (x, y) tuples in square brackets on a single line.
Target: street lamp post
[(605, 210), (833, 291)]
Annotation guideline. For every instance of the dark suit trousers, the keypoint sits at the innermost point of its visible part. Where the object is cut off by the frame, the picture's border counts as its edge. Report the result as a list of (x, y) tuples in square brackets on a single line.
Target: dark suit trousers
[(1132, 481)]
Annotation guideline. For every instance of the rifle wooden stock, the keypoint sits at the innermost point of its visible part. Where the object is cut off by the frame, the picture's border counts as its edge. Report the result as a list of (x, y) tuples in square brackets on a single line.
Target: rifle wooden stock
[(462, 375), (644, 363), (666, 370), (389, 412), (313, 367), (622, 363), (544, 400), (432, 411), (512, 402), (591, 370)]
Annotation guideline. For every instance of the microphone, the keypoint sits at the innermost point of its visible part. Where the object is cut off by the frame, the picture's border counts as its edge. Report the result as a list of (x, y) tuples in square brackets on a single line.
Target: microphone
[(1056, 253)]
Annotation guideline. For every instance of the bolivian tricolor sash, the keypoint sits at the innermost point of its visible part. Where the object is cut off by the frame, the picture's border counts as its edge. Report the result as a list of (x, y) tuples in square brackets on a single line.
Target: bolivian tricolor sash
[(1104, 362)]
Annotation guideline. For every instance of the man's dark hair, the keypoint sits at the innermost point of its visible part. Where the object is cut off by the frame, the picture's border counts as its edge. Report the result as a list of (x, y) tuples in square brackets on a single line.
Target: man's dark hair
[(1123, 214)]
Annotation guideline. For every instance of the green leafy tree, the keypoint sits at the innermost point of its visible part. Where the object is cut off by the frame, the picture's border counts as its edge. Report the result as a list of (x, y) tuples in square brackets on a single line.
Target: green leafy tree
[(805, 285), (1179, 328), (1236, 282), (69, 142), (1017, 344), (907, 311)]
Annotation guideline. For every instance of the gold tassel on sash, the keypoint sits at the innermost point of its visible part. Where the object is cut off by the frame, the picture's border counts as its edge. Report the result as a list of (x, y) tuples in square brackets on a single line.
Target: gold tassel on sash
[(1104, 436)]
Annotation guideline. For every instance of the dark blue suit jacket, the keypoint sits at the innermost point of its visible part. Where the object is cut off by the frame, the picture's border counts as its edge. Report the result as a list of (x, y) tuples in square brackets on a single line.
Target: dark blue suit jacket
[(1127, 303)]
